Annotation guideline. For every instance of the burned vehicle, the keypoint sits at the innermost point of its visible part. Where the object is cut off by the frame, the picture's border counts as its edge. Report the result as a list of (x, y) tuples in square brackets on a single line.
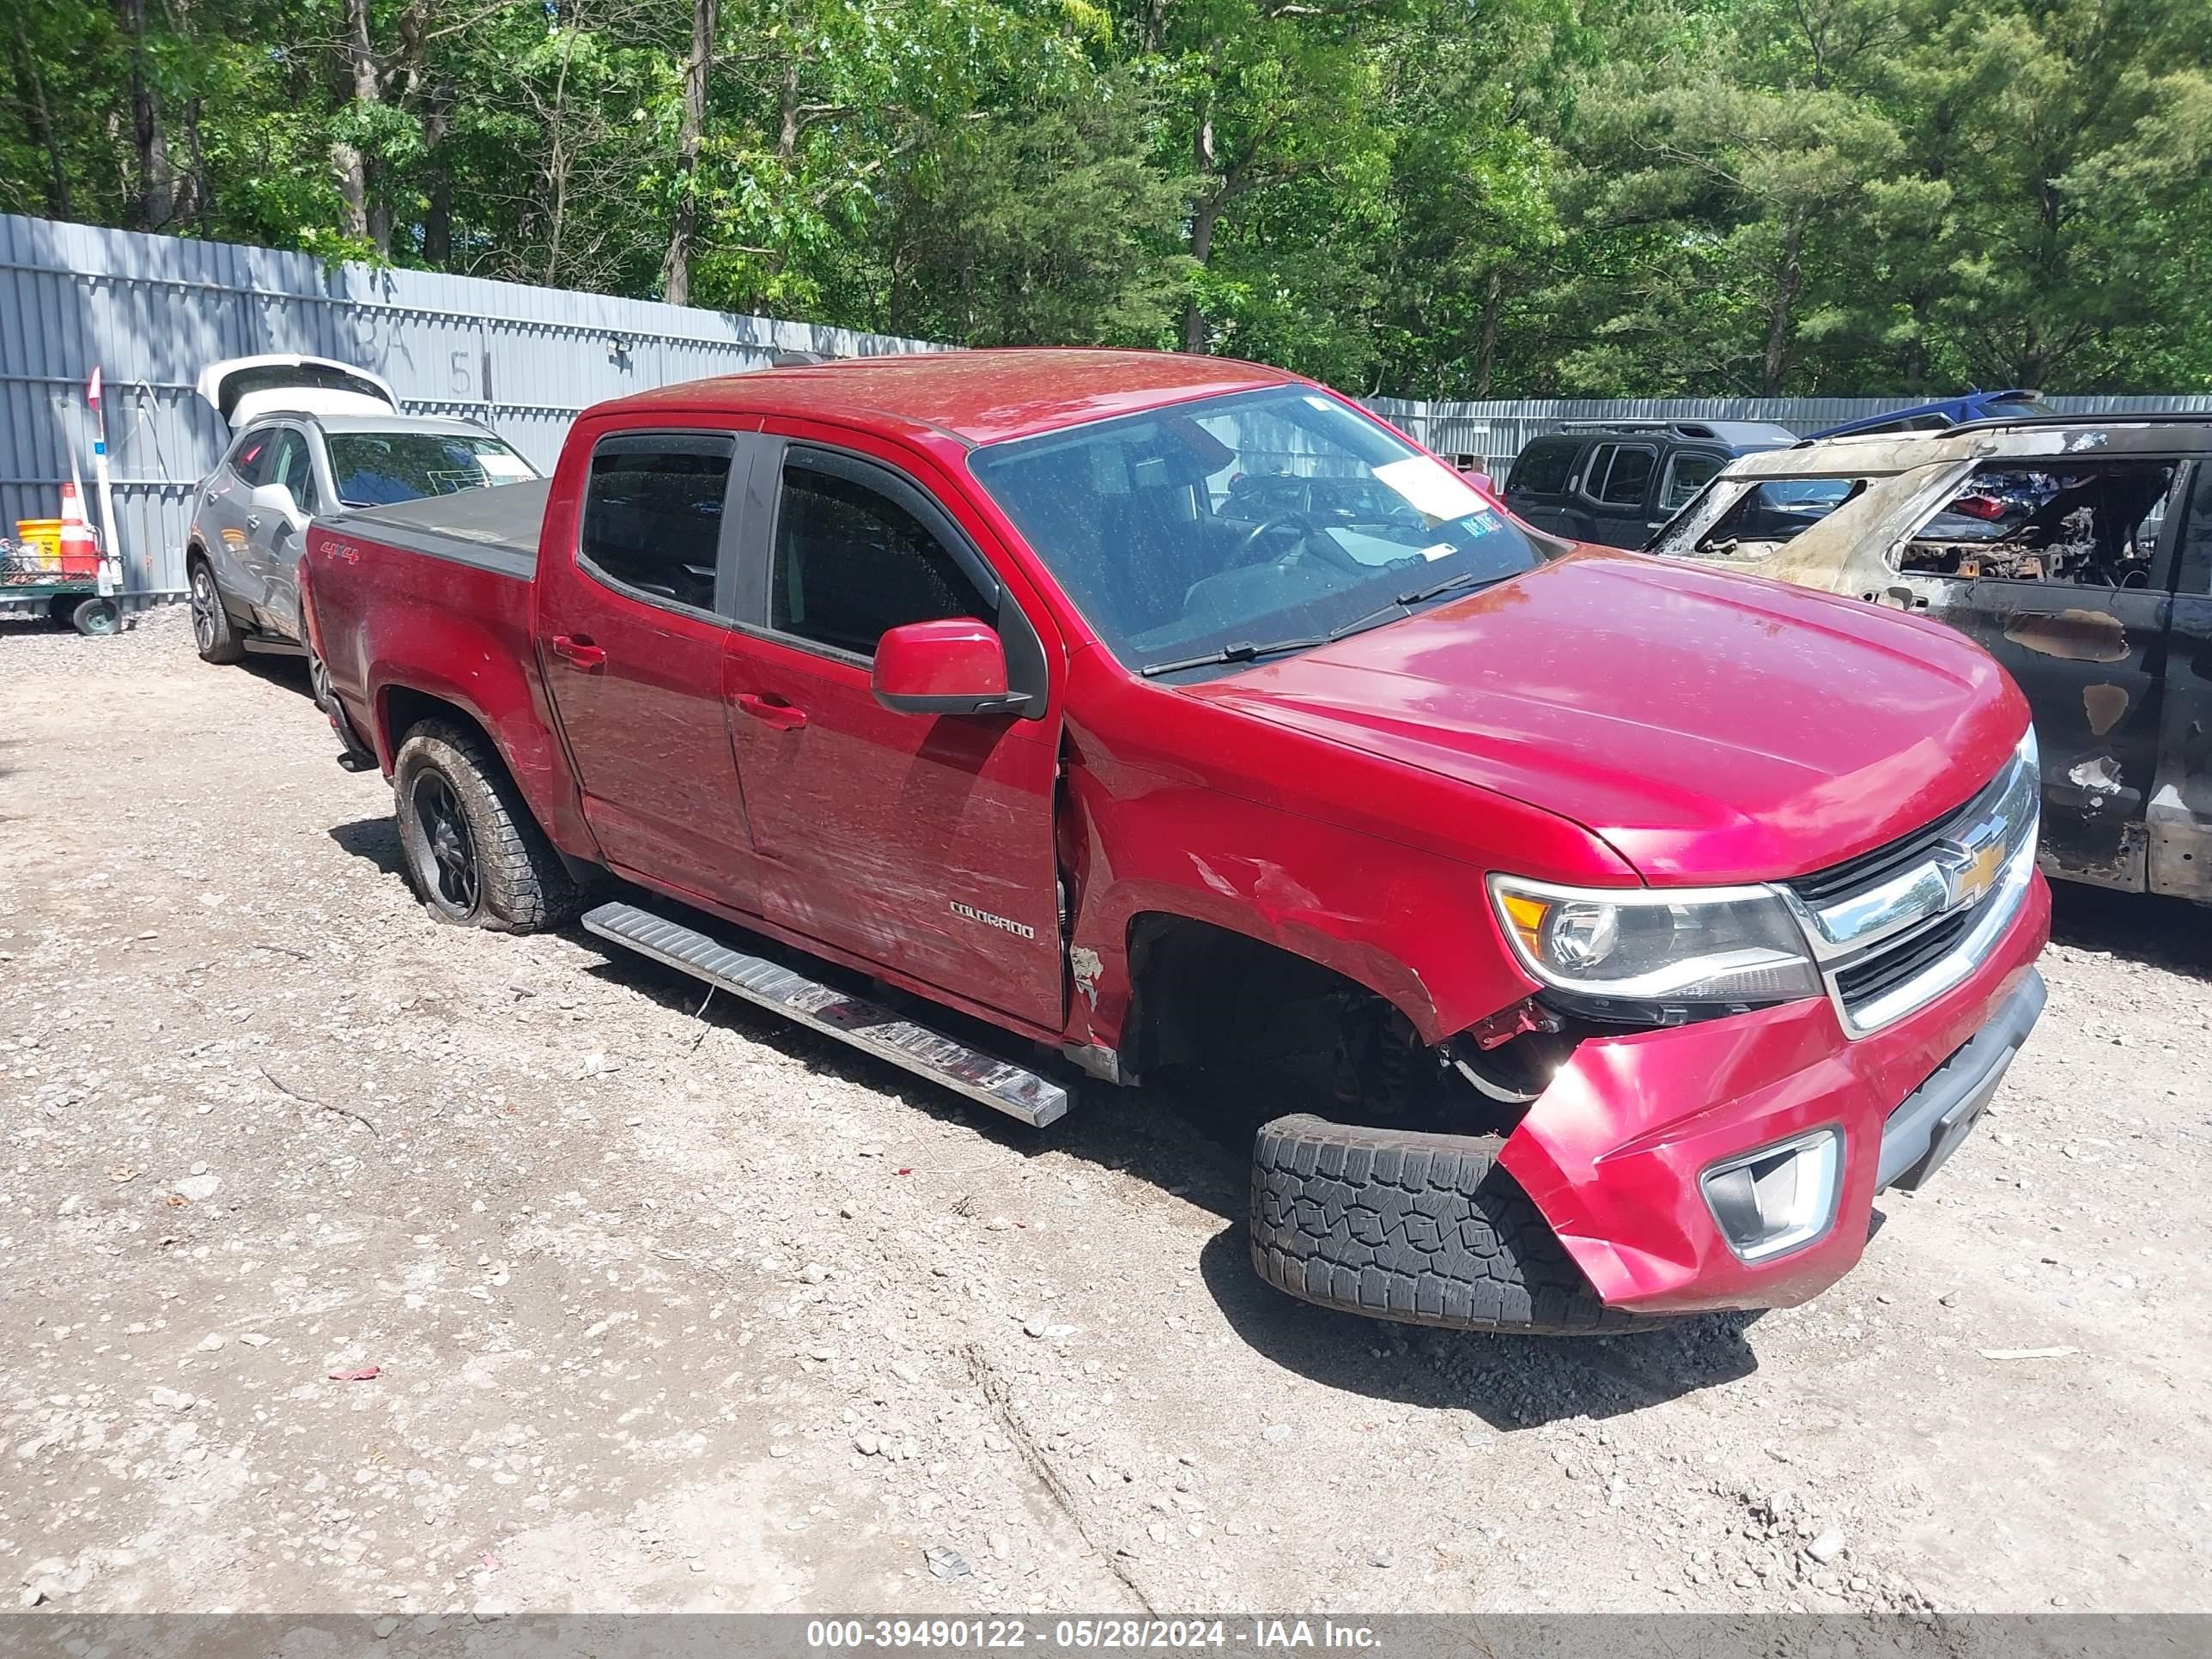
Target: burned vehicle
[(2077, 549)]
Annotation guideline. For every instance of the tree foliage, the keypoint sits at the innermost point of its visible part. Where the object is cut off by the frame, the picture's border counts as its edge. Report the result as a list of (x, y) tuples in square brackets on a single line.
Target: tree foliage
[(1435, 197)]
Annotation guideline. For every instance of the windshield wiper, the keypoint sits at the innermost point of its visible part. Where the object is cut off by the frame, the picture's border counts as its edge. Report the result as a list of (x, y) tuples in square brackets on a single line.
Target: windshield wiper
[(1247, 652), (1242, 652), (1405, 602)]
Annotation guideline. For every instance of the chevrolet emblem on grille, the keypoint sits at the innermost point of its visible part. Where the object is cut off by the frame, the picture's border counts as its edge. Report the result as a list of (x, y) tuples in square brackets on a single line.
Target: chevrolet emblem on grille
[(1972, 872)]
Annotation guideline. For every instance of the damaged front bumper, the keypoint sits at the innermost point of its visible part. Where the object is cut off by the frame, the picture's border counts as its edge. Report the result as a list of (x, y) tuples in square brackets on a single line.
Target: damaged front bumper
[(1617, 1151)]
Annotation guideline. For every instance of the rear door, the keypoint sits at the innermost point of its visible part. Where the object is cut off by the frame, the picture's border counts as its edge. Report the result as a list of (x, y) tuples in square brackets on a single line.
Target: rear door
[(224, 507), (275, 538), (2179, 817), (633, 618), (1542, 474), (2078, 613), (1615, 494), (923, 843)]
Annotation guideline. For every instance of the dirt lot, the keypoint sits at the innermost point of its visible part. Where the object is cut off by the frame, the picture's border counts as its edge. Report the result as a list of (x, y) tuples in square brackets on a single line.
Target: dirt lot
[(672, 1312)]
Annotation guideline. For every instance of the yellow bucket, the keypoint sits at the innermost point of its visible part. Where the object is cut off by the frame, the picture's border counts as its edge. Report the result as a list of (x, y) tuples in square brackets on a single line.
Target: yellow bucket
[(45, 535)]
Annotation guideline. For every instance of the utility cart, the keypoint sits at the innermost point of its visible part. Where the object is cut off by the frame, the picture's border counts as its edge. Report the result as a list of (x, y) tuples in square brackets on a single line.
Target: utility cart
[(35, 580)]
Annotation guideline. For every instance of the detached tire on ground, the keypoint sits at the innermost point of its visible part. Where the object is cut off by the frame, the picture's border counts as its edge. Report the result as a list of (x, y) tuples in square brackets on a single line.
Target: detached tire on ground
[(1423, 1228), (476, 856)]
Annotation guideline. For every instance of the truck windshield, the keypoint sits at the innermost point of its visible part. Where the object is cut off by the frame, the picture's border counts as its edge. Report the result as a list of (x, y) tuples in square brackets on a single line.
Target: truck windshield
[(1245, 525), (376, 469)]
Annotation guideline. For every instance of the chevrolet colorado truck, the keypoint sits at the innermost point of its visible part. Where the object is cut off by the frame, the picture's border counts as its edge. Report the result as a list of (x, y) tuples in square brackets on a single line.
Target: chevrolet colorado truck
[(1636, 924)]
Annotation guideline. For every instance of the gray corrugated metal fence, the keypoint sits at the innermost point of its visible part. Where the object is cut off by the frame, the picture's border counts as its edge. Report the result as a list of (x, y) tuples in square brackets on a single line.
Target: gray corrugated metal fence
[(153, 311)]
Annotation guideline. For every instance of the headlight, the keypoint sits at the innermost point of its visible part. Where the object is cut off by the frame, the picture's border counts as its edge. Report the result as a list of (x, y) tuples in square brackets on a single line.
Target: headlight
[(1649, 952)]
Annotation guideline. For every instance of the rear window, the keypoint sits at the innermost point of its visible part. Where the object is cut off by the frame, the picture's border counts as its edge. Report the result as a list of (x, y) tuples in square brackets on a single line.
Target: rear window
[(653, 513), (1624, 480), (1542, 468), (376, 469)]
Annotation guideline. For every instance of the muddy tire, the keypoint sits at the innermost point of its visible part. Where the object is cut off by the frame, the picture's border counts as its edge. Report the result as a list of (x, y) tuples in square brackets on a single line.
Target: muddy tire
[(213, 631), (1422, 1228), (475, 855)]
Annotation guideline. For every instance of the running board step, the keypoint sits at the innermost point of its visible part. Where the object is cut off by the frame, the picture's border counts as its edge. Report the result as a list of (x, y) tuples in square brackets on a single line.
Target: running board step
[(1011, 1088)]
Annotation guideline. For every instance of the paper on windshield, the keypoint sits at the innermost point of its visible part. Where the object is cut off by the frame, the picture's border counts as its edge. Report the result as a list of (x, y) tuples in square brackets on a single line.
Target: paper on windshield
[(1431, 488), (500, 467)]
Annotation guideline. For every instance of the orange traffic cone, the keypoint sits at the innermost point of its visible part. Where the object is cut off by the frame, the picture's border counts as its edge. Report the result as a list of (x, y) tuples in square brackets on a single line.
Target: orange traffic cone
[(80, 552)]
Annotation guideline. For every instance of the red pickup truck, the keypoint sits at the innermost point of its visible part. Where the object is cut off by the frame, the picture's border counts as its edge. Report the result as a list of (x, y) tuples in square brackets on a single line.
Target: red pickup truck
[(1021, 716)]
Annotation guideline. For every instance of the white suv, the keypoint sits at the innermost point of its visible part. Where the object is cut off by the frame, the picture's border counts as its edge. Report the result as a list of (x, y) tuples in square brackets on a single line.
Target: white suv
[(314, 437)]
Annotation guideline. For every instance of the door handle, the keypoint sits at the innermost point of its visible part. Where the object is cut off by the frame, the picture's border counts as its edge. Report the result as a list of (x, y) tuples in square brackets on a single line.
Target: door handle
[(771, 710), (578, 648)]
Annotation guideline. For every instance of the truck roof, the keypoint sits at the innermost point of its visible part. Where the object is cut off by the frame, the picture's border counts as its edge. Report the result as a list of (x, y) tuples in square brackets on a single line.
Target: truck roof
[(974, 397)]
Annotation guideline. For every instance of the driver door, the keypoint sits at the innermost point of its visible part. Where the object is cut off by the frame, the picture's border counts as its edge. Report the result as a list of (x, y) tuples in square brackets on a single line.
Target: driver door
[(922, 843)]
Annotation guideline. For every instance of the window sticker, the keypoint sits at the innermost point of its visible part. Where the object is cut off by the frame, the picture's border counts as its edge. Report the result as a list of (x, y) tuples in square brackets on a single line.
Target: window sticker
[(500, 467), (1431, 488)]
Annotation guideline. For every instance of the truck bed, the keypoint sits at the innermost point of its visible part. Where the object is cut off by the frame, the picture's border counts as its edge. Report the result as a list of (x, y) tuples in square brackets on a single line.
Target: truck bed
[(497, 529)]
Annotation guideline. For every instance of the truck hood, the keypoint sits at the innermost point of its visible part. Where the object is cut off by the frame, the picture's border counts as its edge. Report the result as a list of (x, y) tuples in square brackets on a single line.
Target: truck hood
[(1710, 727)]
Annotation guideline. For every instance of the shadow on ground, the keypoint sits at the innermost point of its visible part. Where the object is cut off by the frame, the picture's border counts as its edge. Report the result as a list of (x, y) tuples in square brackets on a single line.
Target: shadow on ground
[(376, 840), (1192, 1140), (284, 670), (2162, 933)]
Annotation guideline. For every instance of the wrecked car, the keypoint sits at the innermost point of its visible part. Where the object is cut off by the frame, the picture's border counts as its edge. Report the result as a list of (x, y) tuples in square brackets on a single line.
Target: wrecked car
[(962, 708), (2076, 550)]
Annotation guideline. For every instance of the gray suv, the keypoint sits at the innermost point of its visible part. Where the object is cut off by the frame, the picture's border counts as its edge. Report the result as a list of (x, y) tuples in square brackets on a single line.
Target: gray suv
[(314, 437)]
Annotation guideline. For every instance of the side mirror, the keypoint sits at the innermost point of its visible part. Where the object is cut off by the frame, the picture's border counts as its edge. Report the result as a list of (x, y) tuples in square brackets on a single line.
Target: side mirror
[(956, 667), (274, 498), (1480, 479)]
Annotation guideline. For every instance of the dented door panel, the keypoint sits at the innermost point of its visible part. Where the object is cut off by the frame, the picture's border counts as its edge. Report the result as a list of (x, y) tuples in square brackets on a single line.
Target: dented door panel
[(2179, 820), (2091, 661)]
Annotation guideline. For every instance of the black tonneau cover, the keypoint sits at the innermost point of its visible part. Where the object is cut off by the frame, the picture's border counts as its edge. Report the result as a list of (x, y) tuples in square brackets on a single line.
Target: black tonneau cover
[(495, 527)]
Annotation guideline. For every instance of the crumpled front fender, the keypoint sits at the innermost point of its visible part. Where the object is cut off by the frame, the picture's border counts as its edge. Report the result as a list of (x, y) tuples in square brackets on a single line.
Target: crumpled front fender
[(1611, 1151)]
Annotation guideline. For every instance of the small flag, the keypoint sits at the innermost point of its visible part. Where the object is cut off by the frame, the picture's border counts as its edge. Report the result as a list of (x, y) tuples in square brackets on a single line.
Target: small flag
[(92, 388)]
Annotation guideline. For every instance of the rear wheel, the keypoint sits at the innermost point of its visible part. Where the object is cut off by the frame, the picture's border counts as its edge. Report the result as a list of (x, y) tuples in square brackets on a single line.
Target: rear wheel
[(474, 853), (213, 631)]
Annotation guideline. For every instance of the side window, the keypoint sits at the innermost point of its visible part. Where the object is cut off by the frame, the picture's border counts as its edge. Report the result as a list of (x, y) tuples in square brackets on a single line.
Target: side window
[(2085, 526), (1686, 474), (850, 563), (1594, 469), (1627, 479), (252, 459), (1542, 468), (1769, 515), (290, 464), (2196, 536), (652, 515)]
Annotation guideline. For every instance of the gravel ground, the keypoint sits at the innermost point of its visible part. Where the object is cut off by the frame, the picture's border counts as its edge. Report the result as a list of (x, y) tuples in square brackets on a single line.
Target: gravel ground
[(361, 1263)]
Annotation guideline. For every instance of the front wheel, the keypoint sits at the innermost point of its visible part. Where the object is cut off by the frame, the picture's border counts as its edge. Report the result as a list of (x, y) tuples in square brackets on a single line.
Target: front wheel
[(476, 856), (1427, 1228), (213, 631)]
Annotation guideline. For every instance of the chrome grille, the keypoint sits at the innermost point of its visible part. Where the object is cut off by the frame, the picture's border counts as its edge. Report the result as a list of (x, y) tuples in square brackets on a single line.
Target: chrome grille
[(1895, 928)]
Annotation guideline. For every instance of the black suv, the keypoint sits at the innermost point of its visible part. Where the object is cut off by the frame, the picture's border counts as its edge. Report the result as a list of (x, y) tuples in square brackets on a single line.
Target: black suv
[(1619, 482)]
